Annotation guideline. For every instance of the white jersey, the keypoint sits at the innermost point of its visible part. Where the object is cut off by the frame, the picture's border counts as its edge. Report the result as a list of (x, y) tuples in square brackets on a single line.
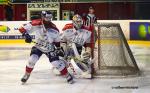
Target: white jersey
[(79, 37), (44, 35)]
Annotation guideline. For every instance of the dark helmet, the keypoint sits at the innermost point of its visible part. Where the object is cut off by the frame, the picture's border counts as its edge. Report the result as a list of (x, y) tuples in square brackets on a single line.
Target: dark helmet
[(47, 15)]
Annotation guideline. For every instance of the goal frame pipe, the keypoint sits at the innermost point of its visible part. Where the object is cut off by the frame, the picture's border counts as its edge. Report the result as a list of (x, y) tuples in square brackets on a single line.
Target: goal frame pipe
[(99, 25)]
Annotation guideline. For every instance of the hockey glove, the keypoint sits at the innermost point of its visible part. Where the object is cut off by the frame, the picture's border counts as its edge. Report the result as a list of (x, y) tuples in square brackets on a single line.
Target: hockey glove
[(60, 51), (86, 55), (28, 38)]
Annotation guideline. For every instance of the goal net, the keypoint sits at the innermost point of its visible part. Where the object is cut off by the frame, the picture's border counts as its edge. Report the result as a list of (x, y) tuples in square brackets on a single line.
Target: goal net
[(112, 53)]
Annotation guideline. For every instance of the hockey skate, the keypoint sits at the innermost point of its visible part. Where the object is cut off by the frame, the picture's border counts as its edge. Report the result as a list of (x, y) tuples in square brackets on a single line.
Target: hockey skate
[(25, 78), (55, 71), (69, 78)]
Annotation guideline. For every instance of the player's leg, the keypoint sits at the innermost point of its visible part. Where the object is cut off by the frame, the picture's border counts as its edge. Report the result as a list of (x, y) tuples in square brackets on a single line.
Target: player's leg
[(57, 72), (60, 65), (34, 57), (62, 56), (66, 58)]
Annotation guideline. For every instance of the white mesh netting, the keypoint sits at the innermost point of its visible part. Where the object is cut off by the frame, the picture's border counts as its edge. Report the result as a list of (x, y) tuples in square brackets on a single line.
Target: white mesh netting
[(112, 53)]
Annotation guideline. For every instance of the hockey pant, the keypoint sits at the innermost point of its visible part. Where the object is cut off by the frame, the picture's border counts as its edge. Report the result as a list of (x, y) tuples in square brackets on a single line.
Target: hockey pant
[(35, 55)]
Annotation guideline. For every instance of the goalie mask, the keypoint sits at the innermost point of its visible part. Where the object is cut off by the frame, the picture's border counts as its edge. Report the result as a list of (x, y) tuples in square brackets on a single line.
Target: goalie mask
[(77, 21), (47, 15)]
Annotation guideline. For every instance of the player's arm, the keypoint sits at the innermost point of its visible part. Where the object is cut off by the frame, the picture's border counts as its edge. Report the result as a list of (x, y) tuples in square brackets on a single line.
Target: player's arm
[(57, 43), (95, 20), (25, 30), (63, 37), (66, 32), (28, 28)]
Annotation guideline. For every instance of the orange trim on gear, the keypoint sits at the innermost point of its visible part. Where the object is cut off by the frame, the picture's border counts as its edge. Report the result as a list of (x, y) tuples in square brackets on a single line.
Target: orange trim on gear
[(68, 26)]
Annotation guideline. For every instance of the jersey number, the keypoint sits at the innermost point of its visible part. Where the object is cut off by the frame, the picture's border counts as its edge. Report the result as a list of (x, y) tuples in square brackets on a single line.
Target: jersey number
[(78, 40)]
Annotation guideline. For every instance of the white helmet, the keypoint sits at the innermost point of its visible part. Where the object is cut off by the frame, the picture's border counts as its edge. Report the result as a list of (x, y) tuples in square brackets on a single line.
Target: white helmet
[(77, 21), (47, 15)]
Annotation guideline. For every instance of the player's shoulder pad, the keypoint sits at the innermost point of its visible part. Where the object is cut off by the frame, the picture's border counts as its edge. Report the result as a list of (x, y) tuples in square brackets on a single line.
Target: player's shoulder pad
[(68, 26), (53, 26), (36, 22)]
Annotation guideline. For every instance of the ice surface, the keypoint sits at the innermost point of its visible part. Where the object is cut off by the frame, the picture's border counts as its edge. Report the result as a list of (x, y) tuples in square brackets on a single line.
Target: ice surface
[(42, 79)]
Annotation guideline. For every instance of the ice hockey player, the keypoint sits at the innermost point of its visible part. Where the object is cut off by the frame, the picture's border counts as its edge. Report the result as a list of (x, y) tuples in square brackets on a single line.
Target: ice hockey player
[(47, 42), (78, 38)]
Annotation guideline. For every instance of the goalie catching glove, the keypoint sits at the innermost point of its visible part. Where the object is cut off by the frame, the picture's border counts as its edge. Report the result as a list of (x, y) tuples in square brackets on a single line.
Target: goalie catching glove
[(59, 51), (86, 55)]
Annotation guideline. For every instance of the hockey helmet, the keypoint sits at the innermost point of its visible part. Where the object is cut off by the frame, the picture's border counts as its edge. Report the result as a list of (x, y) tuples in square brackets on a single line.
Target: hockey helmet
[(77, 21), (47, 15)]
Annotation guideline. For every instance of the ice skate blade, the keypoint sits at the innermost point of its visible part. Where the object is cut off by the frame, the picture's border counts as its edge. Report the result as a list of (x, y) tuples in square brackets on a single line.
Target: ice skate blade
[(23, 83), (71, 82)]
